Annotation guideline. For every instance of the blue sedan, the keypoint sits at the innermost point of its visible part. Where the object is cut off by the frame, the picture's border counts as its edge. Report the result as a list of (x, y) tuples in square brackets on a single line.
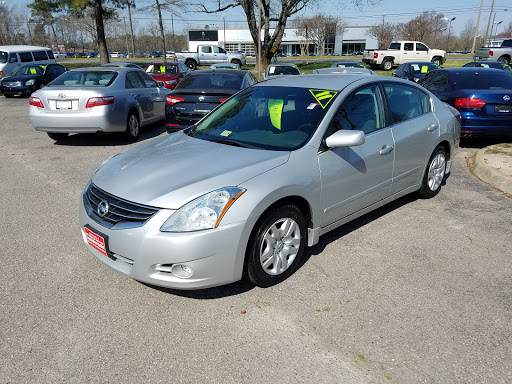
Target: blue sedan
[(483, 97)]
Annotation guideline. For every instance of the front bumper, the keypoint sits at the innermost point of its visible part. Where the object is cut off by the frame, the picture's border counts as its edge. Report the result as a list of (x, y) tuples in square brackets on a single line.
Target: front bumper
[(146, 254), (22, 91)]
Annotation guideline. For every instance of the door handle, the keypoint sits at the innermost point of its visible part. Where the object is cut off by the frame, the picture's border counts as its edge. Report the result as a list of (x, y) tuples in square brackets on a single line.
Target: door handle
[(386, 149), (432, 127)]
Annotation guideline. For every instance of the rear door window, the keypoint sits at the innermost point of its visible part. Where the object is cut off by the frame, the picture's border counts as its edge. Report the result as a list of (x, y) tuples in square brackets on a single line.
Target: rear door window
[(133, 81), (40, 55), (26, 57)]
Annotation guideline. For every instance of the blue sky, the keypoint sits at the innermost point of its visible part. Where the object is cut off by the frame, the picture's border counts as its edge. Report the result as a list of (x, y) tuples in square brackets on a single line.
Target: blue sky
[(393, 10)]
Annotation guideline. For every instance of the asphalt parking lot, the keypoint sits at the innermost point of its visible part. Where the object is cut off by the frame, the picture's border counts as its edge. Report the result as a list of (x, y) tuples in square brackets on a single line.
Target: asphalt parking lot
[(419, 291)]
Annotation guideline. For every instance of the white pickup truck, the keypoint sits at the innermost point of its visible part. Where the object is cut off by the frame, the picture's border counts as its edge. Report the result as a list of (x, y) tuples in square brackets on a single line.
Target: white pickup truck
[(400, 52), (208, 55), (502, 53)]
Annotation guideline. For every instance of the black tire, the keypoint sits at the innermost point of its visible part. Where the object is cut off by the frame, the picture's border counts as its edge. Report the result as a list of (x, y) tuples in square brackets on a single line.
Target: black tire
[(386, 65), (191, 64), (57, 135), (275, 271), (132, 127), (434, 174), (8, 96), (236, 61), (504, 60), (437, 61)]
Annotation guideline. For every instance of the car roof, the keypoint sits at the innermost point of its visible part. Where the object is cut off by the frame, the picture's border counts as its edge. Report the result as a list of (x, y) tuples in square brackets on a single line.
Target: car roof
[(343, 70), (329, 81), (282, 64), (238, 72), (473, 69), (162, 63), (109, 69)]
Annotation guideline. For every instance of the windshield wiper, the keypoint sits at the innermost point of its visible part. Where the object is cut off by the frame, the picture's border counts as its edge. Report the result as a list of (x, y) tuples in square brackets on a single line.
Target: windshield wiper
[(234, 143)]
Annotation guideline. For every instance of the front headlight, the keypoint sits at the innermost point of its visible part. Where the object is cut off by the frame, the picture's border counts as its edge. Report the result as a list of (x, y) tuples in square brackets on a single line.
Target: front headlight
[(205, 212), (170, 81), (30, 82)]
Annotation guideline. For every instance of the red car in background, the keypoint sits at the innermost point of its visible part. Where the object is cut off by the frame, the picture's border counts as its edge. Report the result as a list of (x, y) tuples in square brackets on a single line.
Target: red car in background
[(170, 73)]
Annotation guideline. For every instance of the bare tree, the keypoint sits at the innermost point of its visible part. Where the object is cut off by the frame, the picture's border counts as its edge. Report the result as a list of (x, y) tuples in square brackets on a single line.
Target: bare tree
[(466, 36), (424, 27), (11, 26), (317, 29), (384, 33), (164, 5)]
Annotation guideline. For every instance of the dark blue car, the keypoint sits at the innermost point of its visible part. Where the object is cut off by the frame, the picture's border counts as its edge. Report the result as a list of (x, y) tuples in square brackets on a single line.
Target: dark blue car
[(30, 78), (483, 97)]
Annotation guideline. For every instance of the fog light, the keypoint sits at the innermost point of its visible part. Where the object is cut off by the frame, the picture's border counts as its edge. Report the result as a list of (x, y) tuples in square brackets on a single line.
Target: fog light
[(182, 271)]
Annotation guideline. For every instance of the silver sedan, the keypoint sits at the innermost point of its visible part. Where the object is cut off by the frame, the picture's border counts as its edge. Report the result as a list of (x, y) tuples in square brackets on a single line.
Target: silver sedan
[(246, 189), (97, 100)]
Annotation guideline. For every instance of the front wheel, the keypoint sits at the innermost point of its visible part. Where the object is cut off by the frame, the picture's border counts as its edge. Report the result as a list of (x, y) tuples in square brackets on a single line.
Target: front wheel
[(132, 127), (434, 174), (276, 246), (237, 62), (504, 60)]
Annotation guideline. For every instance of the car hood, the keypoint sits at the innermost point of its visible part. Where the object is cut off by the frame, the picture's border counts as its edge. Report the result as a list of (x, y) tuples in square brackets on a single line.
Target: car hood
[(21, 78), (171, 171)]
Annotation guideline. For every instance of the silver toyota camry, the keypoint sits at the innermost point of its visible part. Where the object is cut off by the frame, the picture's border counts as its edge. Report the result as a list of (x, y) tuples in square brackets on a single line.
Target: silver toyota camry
[(245, 190), (96, 100)]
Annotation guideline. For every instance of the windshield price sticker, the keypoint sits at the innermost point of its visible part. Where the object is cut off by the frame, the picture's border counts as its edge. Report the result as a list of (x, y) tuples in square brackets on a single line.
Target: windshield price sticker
[(226, 133), (275, 110)]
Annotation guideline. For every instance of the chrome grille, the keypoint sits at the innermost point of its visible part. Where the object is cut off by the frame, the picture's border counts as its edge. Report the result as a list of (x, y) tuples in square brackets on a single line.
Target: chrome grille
[(11, 84), (121, 213)]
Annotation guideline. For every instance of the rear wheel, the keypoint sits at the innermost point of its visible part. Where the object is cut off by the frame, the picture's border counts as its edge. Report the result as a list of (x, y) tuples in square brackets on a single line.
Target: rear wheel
[(57, 135), (276, 246), (8, 95), (437, 61), (434, 174), (237, 62), (191, 64), (132, 127), (504, 60), (387, 65)]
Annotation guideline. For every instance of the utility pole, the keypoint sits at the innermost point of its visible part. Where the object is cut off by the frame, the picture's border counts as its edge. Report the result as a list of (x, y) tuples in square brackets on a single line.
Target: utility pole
[(131, 27), (488, 23), (224, 16), (172, 25), (259, 39), (476, 28)]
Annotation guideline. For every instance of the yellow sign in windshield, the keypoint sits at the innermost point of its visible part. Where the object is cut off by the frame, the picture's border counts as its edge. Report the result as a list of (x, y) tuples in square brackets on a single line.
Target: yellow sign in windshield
[(322, 96), (275, 110)]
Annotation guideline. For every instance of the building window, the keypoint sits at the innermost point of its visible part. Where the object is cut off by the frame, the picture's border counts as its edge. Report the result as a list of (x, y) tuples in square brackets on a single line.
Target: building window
[(248, 49), (232, 47)]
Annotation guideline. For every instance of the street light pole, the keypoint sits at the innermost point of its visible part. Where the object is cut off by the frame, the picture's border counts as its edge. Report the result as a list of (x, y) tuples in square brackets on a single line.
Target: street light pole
[(449, 30), (496, 32), (224, 17)]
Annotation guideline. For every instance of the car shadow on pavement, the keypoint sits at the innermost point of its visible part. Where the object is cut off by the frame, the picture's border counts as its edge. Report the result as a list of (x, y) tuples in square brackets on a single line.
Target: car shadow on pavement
[(208, 293), (112, 139)]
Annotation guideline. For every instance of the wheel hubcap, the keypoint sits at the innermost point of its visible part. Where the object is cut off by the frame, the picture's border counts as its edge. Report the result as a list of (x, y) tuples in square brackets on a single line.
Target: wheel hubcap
[(280, 246), (134, 125), (436, 172)]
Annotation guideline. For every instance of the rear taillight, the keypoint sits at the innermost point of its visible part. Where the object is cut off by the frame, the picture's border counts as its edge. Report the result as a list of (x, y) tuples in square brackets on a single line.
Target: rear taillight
[(491, 53), (469, 102), (375, 55), (173, 125), (97, 101), (36, 102), (171, 100), (223, 99)]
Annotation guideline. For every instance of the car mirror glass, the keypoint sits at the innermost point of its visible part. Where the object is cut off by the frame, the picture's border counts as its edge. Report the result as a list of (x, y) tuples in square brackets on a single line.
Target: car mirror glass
[(161, 84), (344, 138)]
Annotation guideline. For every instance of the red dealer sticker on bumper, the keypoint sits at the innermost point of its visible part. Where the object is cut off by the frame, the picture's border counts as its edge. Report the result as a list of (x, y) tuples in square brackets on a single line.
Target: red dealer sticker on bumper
[(95, 241)]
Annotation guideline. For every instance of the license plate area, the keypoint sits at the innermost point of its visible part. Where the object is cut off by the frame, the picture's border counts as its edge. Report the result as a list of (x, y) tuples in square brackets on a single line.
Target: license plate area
[(503, 108), (64, 104), (97, 240), (202, 108)]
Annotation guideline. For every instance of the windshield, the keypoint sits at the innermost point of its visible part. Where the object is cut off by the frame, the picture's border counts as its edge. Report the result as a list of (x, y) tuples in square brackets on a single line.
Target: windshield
[(283, 70), (4, 56), (84, 79), (274, 118), (218, 83), (482, 80), (417, 69), (30, 70), (172, 69)]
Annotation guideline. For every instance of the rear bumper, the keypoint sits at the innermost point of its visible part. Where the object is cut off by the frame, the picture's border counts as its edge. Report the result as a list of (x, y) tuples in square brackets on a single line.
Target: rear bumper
[(77, 122), (370, 61), (488, 125)]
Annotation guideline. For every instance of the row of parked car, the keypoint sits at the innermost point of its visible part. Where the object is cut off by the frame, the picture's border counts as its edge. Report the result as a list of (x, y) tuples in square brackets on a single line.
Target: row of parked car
[(480, 91)]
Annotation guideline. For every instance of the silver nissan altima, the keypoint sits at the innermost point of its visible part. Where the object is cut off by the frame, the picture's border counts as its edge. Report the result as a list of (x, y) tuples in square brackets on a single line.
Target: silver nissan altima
[(245, 190), (103, 99)]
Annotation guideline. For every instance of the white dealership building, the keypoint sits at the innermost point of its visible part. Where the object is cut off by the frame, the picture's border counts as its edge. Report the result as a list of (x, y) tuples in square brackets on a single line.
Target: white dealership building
[(352, 39)]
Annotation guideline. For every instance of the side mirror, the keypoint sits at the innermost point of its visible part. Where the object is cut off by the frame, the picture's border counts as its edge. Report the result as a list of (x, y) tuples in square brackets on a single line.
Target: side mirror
[(345, 139), (161, 84)]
